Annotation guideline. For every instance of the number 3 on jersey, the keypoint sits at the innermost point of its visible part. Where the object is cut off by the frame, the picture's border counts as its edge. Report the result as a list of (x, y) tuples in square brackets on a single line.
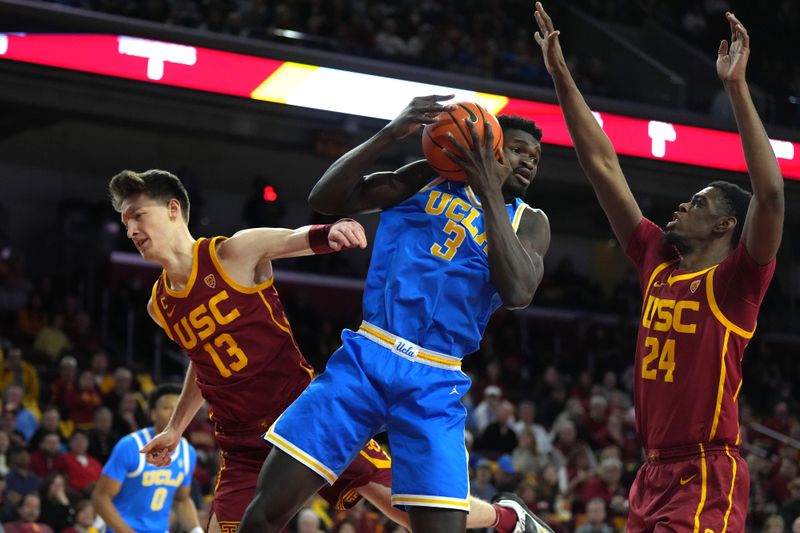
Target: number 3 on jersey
[(665, 356), (457, 234)]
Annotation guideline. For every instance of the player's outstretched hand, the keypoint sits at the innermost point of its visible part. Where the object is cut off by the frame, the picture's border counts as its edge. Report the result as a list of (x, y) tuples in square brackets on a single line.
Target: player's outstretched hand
[(422, 110), (484, 172), (347, 233), (158, 451), (732, 59), (547, 39)]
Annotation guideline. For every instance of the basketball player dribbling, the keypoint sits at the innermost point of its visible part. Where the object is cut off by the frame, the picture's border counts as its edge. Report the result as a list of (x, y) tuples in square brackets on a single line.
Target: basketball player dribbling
[(703, 279), (446, 256), (216, 299)]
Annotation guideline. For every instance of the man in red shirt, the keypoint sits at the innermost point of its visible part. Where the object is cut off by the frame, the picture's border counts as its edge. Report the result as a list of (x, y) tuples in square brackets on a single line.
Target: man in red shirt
[(703, 279), (48, 459), (82, 469)]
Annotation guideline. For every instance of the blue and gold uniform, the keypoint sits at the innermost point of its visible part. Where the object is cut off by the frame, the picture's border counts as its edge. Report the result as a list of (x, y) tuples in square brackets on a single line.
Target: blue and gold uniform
[(145, 498), (427, 301)]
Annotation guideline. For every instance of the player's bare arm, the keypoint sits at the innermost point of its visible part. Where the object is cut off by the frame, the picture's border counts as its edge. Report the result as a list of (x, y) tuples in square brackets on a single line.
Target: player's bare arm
[(247, 254), (515, 262), (185, 510), (345, 189), (595, 152), (159, 450), (102, 499), (764, 224)]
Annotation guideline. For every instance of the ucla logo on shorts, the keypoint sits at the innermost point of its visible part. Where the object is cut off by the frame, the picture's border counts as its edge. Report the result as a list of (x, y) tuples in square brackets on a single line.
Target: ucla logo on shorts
[(405, 348)]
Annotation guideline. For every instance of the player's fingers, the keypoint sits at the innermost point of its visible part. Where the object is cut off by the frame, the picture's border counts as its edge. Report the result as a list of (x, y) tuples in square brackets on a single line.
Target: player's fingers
[(548, 22), (744, 35), (501, 156), (362, 239), (538, 38), (343, 238), (731, 18), (454, 158), (553, 35), (723, 47), (462, 150), (488, 134), (438, 97), (539, 22), (473, 132), (352, 238)]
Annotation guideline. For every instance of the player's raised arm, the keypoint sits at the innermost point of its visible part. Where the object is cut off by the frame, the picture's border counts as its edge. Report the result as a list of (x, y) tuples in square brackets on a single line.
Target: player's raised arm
[(764, 224), (595, 152), (345, 189)]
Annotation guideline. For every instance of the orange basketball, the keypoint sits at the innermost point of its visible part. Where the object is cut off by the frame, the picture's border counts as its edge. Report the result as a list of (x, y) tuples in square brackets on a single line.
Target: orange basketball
[(434, 137)]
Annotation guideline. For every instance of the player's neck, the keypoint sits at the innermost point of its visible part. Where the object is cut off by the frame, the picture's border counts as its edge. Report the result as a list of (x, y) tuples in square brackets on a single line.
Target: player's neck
[(178, 260), (703, 255)]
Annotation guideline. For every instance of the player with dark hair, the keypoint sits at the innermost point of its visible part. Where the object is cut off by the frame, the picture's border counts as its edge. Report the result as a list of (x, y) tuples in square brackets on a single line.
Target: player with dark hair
[(217, 300), (446, 256), (132, 495), (703, 279)]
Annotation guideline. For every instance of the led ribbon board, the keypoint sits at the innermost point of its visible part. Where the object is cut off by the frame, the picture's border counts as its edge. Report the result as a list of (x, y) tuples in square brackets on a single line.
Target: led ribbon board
[(343, 91)]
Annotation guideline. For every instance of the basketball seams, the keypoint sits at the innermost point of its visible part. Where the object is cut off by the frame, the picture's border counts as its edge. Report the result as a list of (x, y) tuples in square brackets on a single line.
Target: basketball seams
[(427, 134), (457, 124)]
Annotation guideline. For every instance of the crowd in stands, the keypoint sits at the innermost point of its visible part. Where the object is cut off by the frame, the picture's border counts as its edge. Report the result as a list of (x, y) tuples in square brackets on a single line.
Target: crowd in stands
[(550, 414), (479, 38)]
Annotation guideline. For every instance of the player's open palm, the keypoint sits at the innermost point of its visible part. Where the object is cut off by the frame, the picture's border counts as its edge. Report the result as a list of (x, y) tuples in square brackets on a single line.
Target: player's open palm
[(158, 452), (347, 233), (732, 58), (547, 39), (422, 110)]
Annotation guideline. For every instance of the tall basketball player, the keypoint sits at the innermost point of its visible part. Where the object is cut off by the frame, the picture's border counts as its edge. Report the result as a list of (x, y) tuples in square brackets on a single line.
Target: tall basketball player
[(446, 256), (703, 278)]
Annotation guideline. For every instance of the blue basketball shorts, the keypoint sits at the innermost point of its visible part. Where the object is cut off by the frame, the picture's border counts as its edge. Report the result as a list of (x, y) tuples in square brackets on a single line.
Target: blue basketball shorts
[(378, 382)]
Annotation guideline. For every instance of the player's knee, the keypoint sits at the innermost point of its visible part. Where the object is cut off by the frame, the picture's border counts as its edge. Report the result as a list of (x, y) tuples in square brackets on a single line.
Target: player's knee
[(262, 515)]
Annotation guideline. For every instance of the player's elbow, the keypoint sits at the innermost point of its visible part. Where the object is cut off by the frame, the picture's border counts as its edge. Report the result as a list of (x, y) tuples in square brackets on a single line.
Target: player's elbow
[(322, 200), (316, 201), (518, 297)]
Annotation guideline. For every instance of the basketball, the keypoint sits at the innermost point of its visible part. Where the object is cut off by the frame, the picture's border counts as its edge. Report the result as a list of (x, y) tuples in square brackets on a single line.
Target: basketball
[(435, 140)]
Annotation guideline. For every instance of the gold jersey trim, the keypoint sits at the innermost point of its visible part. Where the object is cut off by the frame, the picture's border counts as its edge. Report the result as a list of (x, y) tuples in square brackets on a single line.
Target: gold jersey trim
[(189, 284), (212, 249)]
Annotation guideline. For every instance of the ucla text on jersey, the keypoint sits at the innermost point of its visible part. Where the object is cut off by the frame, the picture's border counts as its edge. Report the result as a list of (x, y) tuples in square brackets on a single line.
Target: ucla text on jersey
[(429, 281)]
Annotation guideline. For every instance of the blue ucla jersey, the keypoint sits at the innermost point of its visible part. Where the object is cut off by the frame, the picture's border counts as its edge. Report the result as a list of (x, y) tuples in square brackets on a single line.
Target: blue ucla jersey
[(429, 280), (145, 498)]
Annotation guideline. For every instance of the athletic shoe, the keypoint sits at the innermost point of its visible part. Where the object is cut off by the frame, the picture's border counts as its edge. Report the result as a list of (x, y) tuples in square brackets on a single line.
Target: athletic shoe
[(527, 521)]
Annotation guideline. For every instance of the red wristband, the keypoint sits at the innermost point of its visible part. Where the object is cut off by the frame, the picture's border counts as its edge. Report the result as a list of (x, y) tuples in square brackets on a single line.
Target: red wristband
[(318, 238)]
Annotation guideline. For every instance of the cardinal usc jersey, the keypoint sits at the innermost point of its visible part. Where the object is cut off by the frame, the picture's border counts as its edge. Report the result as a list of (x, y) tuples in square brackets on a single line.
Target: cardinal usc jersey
[(693, 331), (248, 365)]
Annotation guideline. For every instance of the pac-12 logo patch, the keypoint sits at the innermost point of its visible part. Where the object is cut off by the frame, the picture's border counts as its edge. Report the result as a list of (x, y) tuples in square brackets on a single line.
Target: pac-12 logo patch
[(211, 281), (694, 285)]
